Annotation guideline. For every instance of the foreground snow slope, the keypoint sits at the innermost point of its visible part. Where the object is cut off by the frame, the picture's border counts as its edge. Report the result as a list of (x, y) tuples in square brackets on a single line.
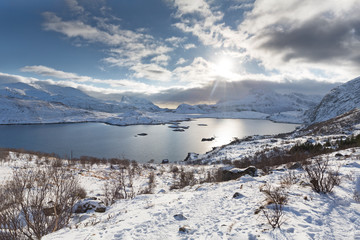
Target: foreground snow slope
[(211, 212)]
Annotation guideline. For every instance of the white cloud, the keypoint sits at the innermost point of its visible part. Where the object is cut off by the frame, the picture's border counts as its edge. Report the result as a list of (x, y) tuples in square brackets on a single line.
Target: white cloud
[(189, 46), (74, 6), (72, 79), (161, 59), (175, 41), (9, 78), (198, 18), (50, 72), (127, 48), (151, 72), (303, 36), (181, 61)]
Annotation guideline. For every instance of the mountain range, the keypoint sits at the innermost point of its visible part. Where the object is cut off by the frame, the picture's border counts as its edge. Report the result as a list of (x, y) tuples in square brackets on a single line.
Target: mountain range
[(42, 102)]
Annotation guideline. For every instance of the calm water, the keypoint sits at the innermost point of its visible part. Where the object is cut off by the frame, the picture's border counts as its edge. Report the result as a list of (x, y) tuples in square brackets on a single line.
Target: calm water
[(101, 140)]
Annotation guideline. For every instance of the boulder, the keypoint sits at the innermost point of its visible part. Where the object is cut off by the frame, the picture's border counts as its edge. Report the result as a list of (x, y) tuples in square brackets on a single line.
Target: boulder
[(179, 217), (237, 195), (183, 229), (296, 165), (89, 204), (191, 156), (235, 173), (100, 209)]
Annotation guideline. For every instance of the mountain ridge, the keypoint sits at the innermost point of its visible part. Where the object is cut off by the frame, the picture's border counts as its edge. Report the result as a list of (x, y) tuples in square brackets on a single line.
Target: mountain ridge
[(339, 100)]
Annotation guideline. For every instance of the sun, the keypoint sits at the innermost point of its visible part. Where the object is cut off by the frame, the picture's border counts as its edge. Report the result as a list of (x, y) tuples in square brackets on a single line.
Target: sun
[(224, 67)]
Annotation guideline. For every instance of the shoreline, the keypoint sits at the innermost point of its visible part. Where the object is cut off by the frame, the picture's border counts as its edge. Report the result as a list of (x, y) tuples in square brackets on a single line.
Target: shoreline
[(183, 118)]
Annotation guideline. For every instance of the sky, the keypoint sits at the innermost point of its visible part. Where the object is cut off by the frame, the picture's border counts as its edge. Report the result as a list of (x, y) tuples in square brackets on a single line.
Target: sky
[(173, 51)]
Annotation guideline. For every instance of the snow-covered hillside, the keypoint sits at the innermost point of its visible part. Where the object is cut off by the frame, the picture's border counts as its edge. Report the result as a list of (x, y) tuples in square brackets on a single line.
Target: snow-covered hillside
[(20, 111), (72, 98), (339, 100), (215, 210), (278, 107)]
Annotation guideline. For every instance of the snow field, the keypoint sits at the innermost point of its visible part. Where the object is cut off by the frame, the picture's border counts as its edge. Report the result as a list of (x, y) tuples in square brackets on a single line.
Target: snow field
[(210, 210)]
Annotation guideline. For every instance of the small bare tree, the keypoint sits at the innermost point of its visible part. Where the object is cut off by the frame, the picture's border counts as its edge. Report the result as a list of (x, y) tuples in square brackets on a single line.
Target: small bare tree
[(120, 187), (151, 184), (276, 198), (36, 202), (321, 177)]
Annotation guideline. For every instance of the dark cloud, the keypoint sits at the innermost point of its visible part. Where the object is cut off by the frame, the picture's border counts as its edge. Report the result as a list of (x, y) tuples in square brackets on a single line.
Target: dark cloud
[(217, 91), (319, 39)]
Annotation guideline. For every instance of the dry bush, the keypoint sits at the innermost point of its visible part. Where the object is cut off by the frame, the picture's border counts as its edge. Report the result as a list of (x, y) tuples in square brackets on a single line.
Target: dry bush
[(37, 202), (215, 175), (120, 187), (321, 177), (276, 198), (184, 179), (4, 155), (151, 184), (57, 163), (289, 178)]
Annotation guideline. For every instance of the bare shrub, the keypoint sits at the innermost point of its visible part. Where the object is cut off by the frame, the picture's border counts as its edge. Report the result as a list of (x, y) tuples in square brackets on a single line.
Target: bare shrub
[(151, 184), (321, 177), (289, 178), (276, 198), (4, 155), (120, 187), (184, 179), (57, 163), (174, 169), (37, 202), (215, 175)]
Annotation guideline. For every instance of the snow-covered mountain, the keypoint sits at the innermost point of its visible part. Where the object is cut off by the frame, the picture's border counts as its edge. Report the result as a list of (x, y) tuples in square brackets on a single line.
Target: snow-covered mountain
[(339, 100), (21, 111), (257, 101), (72, 98)]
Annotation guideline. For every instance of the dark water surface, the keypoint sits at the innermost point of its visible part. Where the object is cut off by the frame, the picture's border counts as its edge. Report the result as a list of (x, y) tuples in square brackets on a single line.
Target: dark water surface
[(101, 140)]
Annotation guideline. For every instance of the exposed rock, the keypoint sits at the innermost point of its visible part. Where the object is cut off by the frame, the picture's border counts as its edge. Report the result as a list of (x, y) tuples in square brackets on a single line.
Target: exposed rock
[(238, 195), (191, 157), (179, 217), (207, 139), (164, 161), (235, 173), (296, 165), (100, 209), (88, 204), (338, 155), (183, 229), (142, 134)]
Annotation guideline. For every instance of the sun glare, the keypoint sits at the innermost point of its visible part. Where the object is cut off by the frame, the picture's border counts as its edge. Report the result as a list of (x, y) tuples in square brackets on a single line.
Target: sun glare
[(224, 67)]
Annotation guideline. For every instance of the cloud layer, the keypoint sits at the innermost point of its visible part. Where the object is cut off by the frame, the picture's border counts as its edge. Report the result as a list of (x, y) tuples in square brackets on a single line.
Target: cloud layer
[(210, 43)]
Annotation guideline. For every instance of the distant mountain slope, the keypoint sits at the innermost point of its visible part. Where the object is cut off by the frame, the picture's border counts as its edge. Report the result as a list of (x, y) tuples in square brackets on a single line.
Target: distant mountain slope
[(17, 111), (72, 98), (257, 101), (339, 100)]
